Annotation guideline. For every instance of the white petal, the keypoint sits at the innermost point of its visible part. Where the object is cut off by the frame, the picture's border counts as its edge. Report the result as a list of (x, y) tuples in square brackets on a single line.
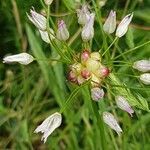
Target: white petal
[(110, 120), (145, 78), (142, 65), (22, 58), (49, 125), (123, 26)]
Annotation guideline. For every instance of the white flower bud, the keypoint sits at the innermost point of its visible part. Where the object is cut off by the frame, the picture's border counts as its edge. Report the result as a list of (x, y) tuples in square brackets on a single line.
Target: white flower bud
[(123, 104), (49, 125), (97, 93), (48, 2), (142, 65), (88, 30), (62, 32), (37, 19), (45, 36), (83, 14), (110, 120), (145, 78), (110, 23), (123, 26), (22, 58)]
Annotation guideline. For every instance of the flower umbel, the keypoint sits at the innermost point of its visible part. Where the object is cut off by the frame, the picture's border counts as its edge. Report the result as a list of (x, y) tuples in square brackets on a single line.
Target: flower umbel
[(110, 23), (49, 125), (110, 120), (22, 58), (37, 19), (123, 26), (123, 104)]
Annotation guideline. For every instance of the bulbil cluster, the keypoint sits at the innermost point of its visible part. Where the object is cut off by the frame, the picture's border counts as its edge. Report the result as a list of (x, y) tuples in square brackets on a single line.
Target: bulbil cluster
[(89, 67)]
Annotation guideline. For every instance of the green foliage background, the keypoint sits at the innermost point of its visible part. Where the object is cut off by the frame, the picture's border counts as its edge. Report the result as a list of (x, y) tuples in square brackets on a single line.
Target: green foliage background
[(28, 94)]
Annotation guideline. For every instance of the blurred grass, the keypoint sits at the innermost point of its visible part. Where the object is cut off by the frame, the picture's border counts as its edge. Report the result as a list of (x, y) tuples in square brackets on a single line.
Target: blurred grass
[(29, 94)]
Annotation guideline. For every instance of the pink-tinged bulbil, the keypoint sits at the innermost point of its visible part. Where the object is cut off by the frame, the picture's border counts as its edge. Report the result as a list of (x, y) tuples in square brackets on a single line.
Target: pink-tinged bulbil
[(72, 77), (85, 55), (85, 74), (104, 71)]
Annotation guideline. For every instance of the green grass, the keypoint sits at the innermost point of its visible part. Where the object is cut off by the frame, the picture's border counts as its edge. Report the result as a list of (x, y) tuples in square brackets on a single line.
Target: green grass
[(29, 94)]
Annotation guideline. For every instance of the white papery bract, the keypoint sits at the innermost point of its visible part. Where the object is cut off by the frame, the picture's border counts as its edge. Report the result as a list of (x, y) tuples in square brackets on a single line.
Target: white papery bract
[(97, 93), (49, 125), (22, 58), (123, 104), (62, 32), (123, 26), (145, 78), (37, 19), (83, 14), (110, 120), (45, 37), (88, 30), (110, 23), (142, 65)]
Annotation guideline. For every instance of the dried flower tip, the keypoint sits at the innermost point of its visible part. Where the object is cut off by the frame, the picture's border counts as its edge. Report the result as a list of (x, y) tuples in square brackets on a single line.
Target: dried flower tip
[(49, 125), (110, 120), (83, 14), (48, 2), (110, 23), (72, 77), (37, 19), (145, 78), (142, 65), (97, 93), (85, 55), (62, 32), (92, 65), (85, 74), (123, 104), (22, 58), (88, 30), (96, 56), (123, 26)]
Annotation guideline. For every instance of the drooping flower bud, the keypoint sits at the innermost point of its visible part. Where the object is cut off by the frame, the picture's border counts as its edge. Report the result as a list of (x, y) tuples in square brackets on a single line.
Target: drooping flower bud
[(45, 36), (49, 125), (85, 55), (142, 65), (123, 104), (48, 2), (145, 78), (22, 58), (110, 120), (110, 23), (83, 14), (97, 93), (85, 73), (62, 32), (96, 56), (123, 26), (37, 19), (88, 30)]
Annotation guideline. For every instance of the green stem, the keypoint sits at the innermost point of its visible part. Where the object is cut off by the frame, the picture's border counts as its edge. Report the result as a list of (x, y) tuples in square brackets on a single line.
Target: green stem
[(110, 46)]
